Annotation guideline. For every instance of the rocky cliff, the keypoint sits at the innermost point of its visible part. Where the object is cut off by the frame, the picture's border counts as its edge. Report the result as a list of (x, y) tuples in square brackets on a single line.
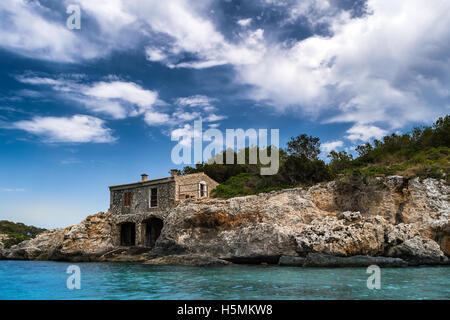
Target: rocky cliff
[(396, 220), (3, 237)]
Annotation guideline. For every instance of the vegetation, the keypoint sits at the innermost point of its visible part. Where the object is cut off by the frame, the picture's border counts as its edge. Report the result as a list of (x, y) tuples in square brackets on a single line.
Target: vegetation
[(424, 152), (17, 232)]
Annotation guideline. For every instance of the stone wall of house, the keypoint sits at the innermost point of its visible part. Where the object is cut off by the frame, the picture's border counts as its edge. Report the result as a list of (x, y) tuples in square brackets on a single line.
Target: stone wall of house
[(140, 198), (188, 185), (139, 211)]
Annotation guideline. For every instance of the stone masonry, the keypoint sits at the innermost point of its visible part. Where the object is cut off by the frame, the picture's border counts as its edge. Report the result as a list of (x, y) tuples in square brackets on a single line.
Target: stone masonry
[(139, 209)]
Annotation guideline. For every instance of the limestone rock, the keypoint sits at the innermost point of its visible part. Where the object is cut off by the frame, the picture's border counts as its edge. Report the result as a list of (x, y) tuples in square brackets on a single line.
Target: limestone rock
[(323, 260), (81, 242), (3, 237), (252, 226), (392, 216), (291, 261), (91, 237), (425, 251), (42, 247), (187, 260), (341, 237)]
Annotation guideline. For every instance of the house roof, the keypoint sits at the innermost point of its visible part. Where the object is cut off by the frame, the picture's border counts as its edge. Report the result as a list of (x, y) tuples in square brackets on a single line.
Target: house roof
[(142, 183), (153, 181)]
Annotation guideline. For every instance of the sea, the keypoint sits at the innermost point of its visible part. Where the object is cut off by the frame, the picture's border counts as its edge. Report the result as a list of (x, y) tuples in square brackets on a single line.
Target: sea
[(43, 280)]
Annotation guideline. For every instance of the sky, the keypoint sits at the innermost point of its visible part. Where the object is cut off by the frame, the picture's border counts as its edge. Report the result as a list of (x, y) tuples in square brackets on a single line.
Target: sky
[(82, 109)]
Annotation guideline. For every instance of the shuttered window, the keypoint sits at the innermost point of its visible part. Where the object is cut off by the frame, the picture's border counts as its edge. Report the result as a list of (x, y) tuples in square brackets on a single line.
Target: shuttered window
[(127, 199), (153, 197)]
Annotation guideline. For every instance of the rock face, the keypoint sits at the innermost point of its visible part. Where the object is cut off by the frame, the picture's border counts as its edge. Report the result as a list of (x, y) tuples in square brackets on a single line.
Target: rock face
[(187, 260), (400, 218), (3, 237), (82, 242), (394, 220), (260, 227)]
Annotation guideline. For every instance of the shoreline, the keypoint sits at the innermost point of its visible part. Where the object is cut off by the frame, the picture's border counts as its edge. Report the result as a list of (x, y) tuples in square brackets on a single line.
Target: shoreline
[(313, 260), (295, 227)]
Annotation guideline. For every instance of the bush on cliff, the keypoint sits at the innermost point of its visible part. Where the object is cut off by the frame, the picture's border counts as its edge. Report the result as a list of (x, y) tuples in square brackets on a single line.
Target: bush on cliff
[(424, 152), (17, 232)]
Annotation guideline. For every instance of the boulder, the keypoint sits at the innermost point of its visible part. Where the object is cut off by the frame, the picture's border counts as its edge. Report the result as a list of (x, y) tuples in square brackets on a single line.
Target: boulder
[(419, 250)]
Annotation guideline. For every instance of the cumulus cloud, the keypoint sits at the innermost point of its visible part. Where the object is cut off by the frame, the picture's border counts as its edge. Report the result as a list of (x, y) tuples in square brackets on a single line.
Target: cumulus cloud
[(365, 133), (385, 68), (155, 54), (156, 118), (115, 98), (75, 129), (347, 73), (244, 22), (27, 27), (372, 69), (331, 145), (140, 98)]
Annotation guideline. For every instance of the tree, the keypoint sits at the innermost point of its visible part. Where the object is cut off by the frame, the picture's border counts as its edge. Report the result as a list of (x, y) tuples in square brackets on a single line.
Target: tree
[(298, 169), (305, 145), (364, 150), (339, 161)]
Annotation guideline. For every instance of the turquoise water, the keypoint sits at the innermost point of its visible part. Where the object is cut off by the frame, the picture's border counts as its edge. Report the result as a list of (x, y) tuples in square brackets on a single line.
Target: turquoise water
[(47, 280)]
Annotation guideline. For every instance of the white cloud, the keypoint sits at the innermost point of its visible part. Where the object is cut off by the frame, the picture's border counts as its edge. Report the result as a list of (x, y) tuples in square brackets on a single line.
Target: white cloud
[(76, 129), (387, 68), (186, 116), (155, 54), (124, 91), (195, 101), (115, 98), (348, 73), (25, 27), (365, 133), (244, 22), (156, 118), (331, 145), (201, 103), (213, 118), (185, 134), (371, 70)]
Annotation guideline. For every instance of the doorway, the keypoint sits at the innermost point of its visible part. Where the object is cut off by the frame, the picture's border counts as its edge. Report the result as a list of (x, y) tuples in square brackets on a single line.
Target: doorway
[(153, 229), (128, 234)]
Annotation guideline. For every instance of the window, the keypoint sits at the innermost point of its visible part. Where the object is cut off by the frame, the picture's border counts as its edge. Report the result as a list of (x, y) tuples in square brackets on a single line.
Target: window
[(202, 190), (127, 199), (153, 197)]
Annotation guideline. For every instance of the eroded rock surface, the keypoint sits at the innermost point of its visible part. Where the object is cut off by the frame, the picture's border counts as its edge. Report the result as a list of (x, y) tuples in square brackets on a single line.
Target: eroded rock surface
[(82, 242), (187, 260)]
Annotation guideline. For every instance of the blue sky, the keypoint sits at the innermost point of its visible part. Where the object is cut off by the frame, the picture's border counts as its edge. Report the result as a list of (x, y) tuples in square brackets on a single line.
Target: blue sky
[(84, 109)]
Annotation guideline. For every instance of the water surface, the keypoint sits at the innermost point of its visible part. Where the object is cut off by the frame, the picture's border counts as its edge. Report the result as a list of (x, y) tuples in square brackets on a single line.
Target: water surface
[(47, 280)]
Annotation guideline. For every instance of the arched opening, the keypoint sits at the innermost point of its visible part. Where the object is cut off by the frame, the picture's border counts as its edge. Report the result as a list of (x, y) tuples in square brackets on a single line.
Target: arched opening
[(153, 229), (128, 234)]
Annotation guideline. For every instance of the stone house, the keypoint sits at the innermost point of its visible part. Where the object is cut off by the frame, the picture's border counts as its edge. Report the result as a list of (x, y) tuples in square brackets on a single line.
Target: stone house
[(139, 208)]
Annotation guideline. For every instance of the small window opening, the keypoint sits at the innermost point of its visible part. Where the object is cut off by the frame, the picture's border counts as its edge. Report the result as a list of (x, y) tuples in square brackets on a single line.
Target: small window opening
[(203, 191), (127, 199), (153, 197)]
